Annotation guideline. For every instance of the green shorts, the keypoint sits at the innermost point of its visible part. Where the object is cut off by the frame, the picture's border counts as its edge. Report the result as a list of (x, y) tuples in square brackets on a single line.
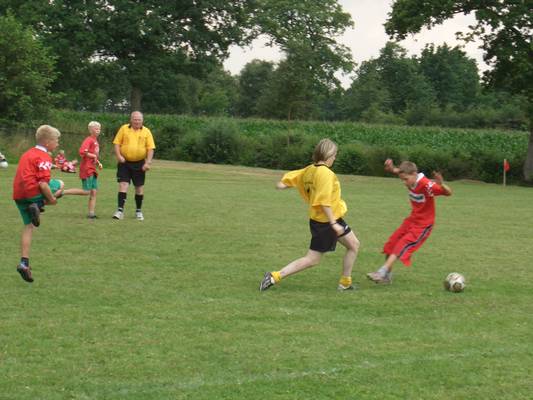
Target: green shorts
[(23, 204), (90, 183)]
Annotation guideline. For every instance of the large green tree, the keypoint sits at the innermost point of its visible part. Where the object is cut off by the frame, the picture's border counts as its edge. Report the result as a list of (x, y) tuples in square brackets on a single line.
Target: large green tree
[(368, 97), (390, 84), (453, 76), (307, 31), (26, 73), (505, 28), (139, 36), (253, 80)]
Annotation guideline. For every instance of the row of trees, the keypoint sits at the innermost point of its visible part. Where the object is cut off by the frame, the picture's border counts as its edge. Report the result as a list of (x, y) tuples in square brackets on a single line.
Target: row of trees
[(440, 87), (166, 57)]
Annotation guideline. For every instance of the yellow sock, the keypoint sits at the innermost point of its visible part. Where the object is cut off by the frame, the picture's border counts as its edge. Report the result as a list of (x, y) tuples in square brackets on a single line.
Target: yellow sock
[(345, 281), (276, 275)]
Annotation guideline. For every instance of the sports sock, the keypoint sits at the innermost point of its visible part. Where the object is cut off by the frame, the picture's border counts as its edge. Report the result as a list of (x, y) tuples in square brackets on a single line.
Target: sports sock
[(345, 281), (276, 275), (139, 201), (25, 261), (121, 200)]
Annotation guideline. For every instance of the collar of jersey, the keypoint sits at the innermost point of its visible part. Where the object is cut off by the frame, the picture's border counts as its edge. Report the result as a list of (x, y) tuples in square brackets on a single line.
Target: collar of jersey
[(321, 165)]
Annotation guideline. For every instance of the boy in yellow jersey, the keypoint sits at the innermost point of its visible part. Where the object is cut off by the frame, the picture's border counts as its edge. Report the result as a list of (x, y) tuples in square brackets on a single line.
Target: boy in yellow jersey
[(319, 186), (134, 148)]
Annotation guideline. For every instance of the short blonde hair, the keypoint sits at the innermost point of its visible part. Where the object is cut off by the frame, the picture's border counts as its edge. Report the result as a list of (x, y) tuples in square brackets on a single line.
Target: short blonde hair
[(93, 123), (45, 133), (325, 149), (408, 167)]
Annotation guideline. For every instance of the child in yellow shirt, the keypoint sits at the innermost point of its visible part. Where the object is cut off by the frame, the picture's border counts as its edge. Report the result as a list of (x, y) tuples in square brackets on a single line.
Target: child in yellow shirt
[(319, 187)]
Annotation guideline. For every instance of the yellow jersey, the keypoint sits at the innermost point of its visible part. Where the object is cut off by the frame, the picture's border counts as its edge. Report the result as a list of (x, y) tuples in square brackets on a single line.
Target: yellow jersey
[(319, 186), (134, 144)]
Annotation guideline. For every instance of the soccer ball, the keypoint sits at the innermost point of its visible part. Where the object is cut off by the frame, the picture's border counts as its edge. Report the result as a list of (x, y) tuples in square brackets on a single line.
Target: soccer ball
[(3, 164), (454, 282)]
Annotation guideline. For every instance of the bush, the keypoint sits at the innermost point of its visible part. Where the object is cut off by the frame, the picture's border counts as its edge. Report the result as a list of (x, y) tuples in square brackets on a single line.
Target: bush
[(219, 144), (352, 159), (363, 148)]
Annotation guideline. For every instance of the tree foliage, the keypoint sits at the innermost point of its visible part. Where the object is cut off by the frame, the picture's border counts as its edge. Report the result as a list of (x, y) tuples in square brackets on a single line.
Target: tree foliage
[(453, 76), (26, 73), (140, 37), (505, 28), (252, 81)]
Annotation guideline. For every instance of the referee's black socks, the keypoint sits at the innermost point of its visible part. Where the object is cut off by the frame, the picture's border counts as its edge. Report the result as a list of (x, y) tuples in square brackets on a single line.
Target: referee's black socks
[(139, 201)]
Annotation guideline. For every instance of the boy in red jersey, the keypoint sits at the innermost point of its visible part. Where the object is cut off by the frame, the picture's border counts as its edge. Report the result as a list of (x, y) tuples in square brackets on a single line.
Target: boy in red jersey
[(33, 188), (89, 151), (417, 227)]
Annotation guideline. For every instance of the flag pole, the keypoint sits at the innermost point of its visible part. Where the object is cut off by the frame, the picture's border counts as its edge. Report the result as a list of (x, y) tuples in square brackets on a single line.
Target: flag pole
[(504, 172)]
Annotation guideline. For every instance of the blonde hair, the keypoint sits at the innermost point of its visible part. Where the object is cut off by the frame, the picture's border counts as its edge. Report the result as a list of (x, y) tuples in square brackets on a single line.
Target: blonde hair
[(45, 133), (408, 167), (325, 149), (93, 123)]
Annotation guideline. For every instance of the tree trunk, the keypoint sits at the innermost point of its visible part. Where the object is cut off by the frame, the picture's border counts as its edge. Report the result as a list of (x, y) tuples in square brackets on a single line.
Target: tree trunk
[(528, 165), (136, 98)]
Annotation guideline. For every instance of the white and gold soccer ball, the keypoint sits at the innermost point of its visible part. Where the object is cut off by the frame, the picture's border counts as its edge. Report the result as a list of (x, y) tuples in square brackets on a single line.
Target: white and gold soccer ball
[(454, 282)]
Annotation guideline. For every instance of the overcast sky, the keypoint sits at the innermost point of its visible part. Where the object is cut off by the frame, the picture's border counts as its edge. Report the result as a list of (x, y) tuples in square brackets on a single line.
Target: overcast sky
[(368, 37)]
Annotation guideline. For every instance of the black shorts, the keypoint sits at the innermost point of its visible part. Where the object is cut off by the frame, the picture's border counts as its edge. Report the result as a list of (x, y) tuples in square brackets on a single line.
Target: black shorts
[(131, 171), (323, 237)]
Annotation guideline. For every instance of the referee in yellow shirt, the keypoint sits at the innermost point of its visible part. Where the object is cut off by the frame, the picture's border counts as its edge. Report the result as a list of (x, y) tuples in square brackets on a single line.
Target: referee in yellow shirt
[(134, 148)]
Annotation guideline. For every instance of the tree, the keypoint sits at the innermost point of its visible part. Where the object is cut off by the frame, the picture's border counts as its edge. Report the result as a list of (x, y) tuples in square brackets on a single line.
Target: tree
[(26, 73), (136, 35), (306, 30), (218, 94), (293, 90), (390, 88), (406, 85), (367, 92), (289, 93), (139, 36), (505, 28), (453, 76), (253, 80)]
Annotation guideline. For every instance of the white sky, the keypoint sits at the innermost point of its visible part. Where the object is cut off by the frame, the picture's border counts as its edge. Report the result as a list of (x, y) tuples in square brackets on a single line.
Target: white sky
[(367, 37)]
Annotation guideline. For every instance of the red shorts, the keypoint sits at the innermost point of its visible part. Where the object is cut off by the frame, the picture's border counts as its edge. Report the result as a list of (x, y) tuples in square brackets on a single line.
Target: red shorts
[(406, 240)]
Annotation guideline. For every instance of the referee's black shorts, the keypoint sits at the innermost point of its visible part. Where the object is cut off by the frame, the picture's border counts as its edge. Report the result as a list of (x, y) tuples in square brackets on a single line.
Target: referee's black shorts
[(131, 171), (323, 237)]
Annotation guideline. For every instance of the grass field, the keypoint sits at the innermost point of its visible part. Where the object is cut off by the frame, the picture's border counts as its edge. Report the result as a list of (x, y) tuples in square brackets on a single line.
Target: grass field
[(169, 308)]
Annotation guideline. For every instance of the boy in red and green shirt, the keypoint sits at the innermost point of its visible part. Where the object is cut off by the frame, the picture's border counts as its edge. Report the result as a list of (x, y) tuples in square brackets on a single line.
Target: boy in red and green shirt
[(89, 152)]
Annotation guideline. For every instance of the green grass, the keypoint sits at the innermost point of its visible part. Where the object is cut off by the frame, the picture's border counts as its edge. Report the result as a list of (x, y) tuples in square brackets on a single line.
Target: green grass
[(169, 308)]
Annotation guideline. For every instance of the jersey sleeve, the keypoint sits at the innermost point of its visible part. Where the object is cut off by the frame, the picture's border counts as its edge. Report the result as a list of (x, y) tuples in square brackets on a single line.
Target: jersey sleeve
[(293, 178), (119, 135), (434, 189), (150, 144), (323, 184), (85, 146)]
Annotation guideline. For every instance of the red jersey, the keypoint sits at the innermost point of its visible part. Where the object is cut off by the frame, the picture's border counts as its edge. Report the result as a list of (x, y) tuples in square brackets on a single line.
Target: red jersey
[(34, 167), (88, 165), (422, 200)]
